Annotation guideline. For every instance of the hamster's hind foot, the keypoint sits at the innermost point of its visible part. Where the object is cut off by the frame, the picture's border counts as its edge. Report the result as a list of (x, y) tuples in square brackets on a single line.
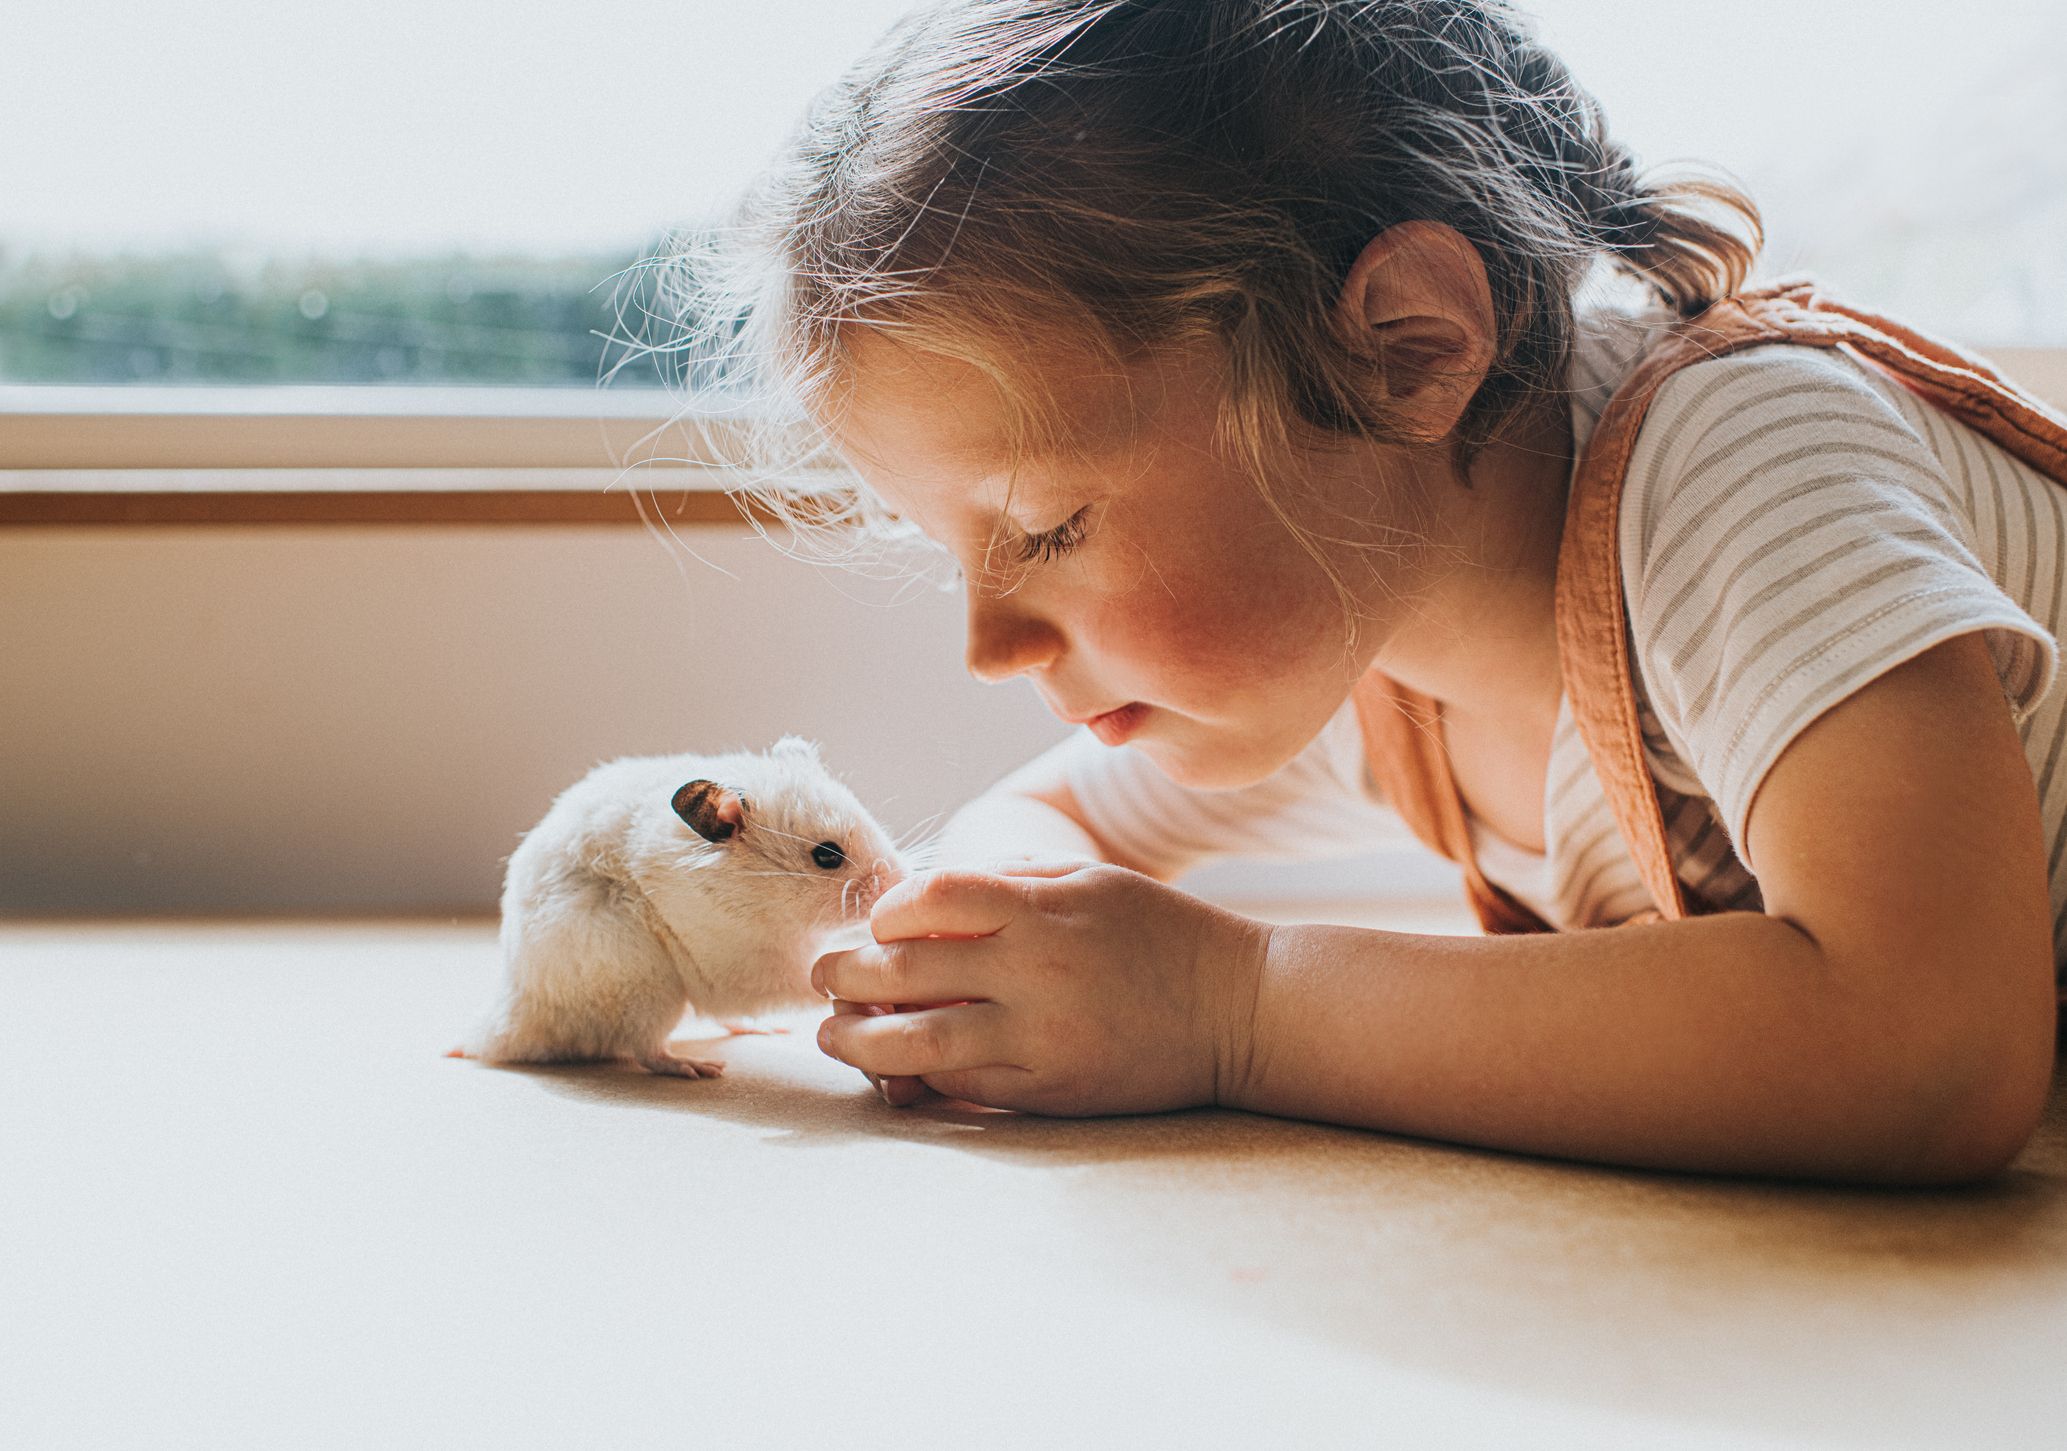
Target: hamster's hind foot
[(667, 1065)]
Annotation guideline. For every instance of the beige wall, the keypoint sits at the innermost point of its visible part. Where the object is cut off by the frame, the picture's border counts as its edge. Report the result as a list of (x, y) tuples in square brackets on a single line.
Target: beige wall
[(343, 718)]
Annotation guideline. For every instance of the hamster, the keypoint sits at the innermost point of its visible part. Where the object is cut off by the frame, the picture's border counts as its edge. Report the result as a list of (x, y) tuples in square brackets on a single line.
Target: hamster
[(658, 883)]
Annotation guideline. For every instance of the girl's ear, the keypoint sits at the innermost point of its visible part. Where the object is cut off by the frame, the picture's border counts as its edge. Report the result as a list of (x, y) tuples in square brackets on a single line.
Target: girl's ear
[(1418, 304), (712, 811)]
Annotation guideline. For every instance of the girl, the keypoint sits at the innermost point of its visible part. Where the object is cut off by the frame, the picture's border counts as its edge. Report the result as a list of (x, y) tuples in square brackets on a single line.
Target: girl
[(1322, 410)]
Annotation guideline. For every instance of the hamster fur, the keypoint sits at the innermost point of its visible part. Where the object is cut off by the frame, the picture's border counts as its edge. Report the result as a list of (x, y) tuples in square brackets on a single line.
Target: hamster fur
[(657, 883)]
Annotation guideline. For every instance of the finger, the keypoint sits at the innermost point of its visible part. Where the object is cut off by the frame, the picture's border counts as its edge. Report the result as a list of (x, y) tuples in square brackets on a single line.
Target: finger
[(898, 1090), (958, 903), (997, 1086), (1031, 866), (902, 1091), (860, 1009), (935, 1040), (921, 970)]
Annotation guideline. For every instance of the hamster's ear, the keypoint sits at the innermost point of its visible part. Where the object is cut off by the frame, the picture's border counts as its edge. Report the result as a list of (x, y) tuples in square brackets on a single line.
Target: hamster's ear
[(713, 812), (795, 746)]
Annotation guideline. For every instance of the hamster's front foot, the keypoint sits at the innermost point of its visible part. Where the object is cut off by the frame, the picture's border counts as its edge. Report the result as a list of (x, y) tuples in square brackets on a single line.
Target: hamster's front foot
[(740, 1028), (667, 1065)]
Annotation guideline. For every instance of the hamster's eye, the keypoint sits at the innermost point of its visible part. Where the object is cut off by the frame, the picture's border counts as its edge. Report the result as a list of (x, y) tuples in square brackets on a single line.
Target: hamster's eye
[(828, 854)]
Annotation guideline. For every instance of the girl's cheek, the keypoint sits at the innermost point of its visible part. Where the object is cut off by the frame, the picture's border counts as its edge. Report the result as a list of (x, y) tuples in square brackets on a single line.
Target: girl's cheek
[(1266, 585), (1190, 598), (1200, 624)]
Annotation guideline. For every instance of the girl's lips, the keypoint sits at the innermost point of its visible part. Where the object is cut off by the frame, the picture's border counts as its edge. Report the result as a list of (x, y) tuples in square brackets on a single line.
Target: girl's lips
[(1115, 726)]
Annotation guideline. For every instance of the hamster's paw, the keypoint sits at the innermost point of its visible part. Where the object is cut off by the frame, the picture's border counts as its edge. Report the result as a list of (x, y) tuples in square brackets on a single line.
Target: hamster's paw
[(740, 1027), (667, 1065)]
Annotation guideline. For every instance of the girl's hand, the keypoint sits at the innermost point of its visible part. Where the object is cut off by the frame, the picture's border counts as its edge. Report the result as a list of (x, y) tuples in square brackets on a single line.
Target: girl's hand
[(1072, 987), (898, 1090)]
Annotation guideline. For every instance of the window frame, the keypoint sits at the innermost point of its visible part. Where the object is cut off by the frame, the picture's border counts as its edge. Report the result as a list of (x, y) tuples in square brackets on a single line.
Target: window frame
[(314, 455)]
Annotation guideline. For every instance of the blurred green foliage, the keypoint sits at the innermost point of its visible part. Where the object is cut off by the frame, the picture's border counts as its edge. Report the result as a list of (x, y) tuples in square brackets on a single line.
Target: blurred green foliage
[(201, 316)]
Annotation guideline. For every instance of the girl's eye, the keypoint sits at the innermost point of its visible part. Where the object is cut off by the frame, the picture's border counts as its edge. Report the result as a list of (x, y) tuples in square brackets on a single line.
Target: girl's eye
[(827, 854), (1034, 548)]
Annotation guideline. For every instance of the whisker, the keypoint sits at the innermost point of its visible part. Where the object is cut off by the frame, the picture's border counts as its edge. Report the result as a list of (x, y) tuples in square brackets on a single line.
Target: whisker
[(926, 852), (917, 828)]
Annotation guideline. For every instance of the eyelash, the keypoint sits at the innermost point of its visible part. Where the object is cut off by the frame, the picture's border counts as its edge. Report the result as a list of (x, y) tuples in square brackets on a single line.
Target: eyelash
[(1063, 538)]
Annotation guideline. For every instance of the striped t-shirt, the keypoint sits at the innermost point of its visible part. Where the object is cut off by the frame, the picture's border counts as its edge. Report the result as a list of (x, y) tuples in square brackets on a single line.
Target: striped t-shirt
[(1794, 524)]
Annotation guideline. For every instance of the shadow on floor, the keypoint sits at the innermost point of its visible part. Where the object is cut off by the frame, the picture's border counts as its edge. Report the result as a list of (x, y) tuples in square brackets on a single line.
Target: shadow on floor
[(1691, 1297)]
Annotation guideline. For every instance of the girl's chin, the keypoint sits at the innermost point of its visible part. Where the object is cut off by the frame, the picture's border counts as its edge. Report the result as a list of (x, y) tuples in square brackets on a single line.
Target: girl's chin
[(1204, 762)]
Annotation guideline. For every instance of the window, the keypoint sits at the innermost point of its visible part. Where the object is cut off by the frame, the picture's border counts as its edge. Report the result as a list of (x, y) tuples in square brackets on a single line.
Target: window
[(448, 191), (399, 191)]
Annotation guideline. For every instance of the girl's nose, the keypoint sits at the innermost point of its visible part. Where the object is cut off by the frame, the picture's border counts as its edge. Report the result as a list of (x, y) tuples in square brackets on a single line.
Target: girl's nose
[(1004, 642)]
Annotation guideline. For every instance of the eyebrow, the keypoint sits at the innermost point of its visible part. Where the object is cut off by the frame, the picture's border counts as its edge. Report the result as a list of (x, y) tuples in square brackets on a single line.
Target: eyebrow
[(1115, 425)]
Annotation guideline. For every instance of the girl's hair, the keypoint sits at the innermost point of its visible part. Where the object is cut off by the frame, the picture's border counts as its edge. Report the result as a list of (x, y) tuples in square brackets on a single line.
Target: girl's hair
[(1133, 174)]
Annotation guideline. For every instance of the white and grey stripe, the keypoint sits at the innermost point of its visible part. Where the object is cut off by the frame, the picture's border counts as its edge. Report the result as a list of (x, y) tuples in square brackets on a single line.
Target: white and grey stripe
[(1795, 524), (1319, 804)]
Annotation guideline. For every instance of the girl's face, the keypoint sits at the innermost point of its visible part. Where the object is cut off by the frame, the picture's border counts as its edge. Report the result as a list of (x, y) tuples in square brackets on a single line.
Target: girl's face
[(1182, 591)]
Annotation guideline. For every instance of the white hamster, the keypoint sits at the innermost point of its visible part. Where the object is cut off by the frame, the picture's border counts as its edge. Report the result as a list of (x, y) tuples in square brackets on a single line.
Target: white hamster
[(660, 882)]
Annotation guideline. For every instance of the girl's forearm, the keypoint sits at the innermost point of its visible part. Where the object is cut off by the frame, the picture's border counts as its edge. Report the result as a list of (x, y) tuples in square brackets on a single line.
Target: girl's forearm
[(1718, 1044)]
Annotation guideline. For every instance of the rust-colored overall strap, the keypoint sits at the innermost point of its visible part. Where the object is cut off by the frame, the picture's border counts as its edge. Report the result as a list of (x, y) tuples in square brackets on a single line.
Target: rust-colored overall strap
[(1403, 746), (1592, 622)]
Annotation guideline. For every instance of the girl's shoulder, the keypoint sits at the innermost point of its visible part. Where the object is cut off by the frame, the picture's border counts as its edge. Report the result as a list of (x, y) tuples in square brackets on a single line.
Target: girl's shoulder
[(1793, 523), (1750, 429), (1761, 425)]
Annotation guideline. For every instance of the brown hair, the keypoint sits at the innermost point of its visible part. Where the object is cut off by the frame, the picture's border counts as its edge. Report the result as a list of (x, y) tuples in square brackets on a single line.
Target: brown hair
[(1141, 173)]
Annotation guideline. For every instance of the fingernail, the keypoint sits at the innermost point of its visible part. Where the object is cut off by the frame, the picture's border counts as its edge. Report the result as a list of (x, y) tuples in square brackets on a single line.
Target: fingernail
[(825, 1038)]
